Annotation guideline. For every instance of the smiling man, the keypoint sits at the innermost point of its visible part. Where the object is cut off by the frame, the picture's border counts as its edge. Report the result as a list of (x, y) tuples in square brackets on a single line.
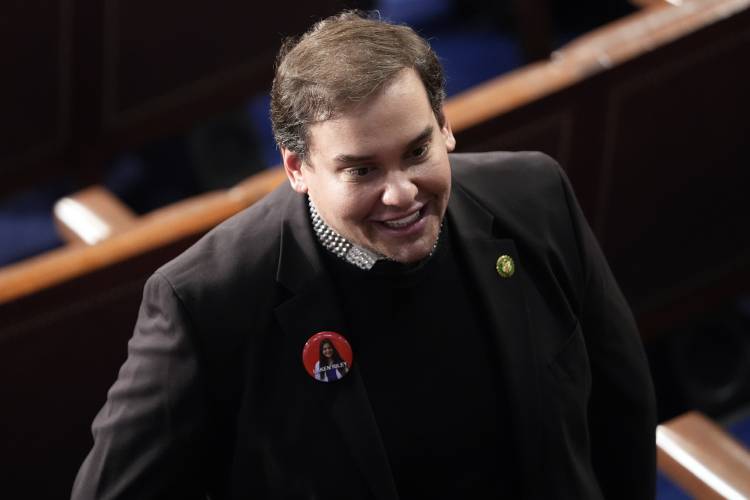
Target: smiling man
[(396, 322)]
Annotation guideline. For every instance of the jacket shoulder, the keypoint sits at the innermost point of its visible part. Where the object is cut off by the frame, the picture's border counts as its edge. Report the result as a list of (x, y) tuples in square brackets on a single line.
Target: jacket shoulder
[(239, 252), (522, 185), (507, 171)]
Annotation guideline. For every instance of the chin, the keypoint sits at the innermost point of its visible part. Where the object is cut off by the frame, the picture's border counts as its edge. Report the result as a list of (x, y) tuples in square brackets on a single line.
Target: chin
[(410, 253), (411, 259)]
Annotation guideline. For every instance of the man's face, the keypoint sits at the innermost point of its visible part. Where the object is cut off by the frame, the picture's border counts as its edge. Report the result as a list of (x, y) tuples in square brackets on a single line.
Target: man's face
[(379, 174)]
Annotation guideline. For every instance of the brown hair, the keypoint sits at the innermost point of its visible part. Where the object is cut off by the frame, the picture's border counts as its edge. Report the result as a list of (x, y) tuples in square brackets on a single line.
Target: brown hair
[(340, 61)]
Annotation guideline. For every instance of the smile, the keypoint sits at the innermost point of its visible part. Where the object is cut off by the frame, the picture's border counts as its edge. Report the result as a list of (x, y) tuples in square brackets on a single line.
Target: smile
[(404, 221)]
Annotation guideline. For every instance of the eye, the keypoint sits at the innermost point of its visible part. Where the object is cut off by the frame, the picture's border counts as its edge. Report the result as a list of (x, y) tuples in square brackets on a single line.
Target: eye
[(420, 151), (358, 172)]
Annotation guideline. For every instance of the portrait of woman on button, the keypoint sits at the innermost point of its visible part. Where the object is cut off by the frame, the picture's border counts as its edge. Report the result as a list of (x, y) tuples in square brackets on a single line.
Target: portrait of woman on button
[(330, 366)]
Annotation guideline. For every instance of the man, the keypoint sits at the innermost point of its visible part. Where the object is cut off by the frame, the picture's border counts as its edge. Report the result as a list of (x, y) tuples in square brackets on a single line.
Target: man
[(482, 346)]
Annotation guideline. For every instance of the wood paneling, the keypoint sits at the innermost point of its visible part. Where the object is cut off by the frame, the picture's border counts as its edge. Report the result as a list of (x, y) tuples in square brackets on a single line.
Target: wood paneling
[(676, 162), (91, 78), (35, 89)]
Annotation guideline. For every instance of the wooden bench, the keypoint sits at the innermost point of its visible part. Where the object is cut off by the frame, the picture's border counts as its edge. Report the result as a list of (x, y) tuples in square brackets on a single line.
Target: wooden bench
[(91, 79), (648, 116), (702, 458)]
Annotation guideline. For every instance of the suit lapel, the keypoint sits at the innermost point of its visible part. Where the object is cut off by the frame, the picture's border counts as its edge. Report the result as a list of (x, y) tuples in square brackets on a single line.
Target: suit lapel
[(311, 309), (507, 316)]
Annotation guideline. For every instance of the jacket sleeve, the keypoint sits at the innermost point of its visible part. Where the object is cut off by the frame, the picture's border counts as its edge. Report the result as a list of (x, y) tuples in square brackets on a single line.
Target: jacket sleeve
[(622, 408), (147, 435)]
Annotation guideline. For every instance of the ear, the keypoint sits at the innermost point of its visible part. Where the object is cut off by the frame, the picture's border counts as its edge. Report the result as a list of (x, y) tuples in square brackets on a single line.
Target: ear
[(450, 141), (293, 168)]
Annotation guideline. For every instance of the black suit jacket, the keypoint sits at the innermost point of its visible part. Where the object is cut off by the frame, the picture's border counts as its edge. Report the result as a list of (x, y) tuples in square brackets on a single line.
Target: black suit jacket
[(213, 397)]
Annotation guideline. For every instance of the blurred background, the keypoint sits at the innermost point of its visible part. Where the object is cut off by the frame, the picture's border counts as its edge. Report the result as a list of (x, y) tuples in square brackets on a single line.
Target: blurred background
[(116, 75), (152, 117)]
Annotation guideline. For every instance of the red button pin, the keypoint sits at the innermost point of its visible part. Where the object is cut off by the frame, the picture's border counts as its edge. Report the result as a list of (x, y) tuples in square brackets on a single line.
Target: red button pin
[(327, 356)]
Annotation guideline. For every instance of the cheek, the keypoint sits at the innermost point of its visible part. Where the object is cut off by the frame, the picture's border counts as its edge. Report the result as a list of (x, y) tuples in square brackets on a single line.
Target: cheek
[(437, 181), (337, 200), (357, 204)]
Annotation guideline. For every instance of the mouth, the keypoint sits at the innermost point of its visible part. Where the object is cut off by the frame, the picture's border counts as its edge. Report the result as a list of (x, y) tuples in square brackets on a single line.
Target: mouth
[(412, 222), (404, 221)]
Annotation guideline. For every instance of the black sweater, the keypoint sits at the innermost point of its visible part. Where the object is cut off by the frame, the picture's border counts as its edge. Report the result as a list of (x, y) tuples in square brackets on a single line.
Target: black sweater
[(420, 340)]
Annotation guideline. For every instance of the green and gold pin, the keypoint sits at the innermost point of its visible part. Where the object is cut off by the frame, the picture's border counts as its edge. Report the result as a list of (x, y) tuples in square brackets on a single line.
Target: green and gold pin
[(505, 266)]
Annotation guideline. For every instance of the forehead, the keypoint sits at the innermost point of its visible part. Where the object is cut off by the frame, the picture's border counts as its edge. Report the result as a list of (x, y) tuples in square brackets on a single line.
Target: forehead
[(399, 112)]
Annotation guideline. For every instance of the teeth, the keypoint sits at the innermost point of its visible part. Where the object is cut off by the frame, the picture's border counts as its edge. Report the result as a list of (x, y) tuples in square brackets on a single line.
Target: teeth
[(403, 222)]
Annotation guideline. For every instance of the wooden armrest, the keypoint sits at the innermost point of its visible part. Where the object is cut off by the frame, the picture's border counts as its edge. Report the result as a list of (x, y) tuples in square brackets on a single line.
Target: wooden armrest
[(641, 32), (591, 53), (702, 458), (643, 4), (91, 215), (184, 220), (208, 209)]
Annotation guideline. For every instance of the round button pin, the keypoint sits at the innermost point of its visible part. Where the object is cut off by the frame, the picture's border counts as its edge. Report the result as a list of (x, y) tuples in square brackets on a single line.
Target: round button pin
[(505, 266), (327, 356)]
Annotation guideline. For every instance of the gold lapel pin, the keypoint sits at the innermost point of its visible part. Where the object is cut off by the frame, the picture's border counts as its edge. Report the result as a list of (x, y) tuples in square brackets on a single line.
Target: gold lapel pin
[(505, 266)]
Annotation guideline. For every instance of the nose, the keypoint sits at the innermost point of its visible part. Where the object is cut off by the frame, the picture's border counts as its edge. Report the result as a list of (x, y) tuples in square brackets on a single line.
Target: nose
[(399, 190)]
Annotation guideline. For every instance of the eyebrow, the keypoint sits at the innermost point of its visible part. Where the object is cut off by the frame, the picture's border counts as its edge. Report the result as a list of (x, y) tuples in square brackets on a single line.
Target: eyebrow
[(344, 158)]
